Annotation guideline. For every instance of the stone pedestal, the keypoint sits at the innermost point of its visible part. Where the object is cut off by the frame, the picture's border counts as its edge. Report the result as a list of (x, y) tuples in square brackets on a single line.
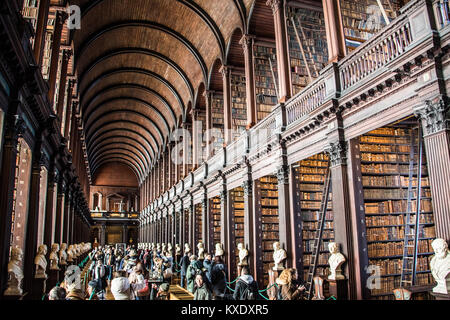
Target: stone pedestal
[(338, 289), (440, 296), (53, 278), (38, 290), (62, 273)]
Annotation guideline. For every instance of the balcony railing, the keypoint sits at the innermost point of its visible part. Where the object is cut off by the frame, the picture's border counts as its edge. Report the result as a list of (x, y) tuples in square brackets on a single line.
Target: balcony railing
[(369, 62)]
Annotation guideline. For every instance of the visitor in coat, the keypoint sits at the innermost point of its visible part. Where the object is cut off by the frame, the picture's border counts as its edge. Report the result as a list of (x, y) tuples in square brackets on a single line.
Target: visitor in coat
[(207, 266), (289, 287), (195, 268), (184, 263), (201, 289), (246, 287), (218, 278)]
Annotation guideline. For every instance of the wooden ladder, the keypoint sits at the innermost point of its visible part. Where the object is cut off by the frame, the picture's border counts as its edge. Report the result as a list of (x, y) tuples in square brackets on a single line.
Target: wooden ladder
[(411, 229), (319, 233)]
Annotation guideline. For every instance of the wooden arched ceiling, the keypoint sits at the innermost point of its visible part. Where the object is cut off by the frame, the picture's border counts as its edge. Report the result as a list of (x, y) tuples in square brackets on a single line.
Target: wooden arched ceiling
[(140, 64)]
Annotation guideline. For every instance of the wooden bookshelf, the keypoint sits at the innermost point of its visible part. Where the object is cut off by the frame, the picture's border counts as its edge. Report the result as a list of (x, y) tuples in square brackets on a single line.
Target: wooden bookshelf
[(46, 60), (201, 116), (238, 104), (309, 179), (217, 113), (363, 18), (198, 225), (310, 25), (267, 204), (215, 216), (30, 12), (384, 162), (266, 94)]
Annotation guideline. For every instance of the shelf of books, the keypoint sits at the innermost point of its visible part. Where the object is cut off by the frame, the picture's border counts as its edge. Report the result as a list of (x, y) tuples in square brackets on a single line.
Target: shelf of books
[(201, 116), (186, 230), (385, 177), (266, 95), (310, 27), (363, 18), (30, 12), (238, 104), (215, 216), (266, 189), (198, 224), (309, 180), (46, 59), (237, 205), (217, 113)]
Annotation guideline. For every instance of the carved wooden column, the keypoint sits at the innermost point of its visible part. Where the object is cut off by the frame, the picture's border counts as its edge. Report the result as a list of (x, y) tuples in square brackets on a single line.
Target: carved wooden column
[(59, 208), (247, 45), (50, 205), (187, 148), (196, 139), (66, 215), (59, 22), (227, 114), (343, 229), (41, 28), (334, 30), (283, 63), (71, 107), (284, 215), (206, 220), (436, 130), (124, 233), (208, 94), (62, 85), (249, 220), (102, 235), (33, 214)]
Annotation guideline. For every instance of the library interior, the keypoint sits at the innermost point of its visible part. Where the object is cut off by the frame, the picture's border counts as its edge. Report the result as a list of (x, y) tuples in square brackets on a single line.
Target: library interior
[(280, 141)]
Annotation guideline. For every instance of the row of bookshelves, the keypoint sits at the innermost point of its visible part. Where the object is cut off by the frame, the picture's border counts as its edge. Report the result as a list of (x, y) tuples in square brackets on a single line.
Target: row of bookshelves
[(396, 206), (215, 214), (396, 233), (377, 221), (392, 181), (394, 193), (265, 67), (394, 249)]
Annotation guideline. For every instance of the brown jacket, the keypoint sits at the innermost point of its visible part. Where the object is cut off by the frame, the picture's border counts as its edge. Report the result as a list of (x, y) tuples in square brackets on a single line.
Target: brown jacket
[(288, 291)]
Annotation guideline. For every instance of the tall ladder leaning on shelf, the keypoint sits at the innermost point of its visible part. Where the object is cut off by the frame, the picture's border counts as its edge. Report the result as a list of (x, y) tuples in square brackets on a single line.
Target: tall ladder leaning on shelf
[(319, 233), (409, 265)]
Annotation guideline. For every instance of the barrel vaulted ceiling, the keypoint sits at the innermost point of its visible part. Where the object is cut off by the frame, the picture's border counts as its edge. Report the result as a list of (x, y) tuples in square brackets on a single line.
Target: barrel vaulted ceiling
[(141, 63)]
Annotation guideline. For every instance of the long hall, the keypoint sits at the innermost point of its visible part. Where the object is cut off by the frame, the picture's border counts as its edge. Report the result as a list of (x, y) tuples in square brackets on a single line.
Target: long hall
[(275, 149)]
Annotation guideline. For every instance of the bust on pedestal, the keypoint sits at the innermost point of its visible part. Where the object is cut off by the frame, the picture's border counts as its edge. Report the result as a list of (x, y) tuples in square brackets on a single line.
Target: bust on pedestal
[(335, 261), (63, 254), (440, 267), (54, 259), (70, 254), (187, 248), (219, 250), (40, 277), (279, 255), (201, 251), (15, 274), (243, 255)]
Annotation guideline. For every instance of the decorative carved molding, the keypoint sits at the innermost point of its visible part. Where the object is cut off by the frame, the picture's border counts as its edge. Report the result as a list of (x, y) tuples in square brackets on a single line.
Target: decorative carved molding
[(337, 152), (434, 115), (283, 174), (247, 185), (274, 4)]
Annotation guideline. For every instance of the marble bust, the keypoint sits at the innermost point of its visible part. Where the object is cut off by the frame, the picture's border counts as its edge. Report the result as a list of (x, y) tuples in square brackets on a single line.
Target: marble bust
[(335, 261), (15, 273), (440, 266), (279, 255), (243, 254), (41, 262), (177, 249), (201, 251), (54, 259), (219, 250), (163, 247), (63, 254), (70, 253), (187, 248)]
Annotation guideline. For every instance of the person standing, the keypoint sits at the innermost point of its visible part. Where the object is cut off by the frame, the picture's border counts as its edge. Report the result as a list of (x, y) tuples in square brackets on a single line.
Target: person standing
[(218, 278), (201, 289), (184, 266), (289, 287), (246, 287)]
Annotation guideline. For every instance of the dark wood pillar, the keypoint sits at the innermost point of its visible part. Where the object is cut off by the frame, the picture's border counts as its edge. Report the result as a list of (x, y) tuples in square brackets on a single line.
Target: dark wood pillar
[(33, 215), (71, 107), (41, 29), (247, 45), (283, 63), (59, 209), (208, 100), (334, 30), (14, 128), (66, 214), (59, 22), (436, 130), (50, 205), (343, 229), (62, 85), (227, 114), (284, 215), (249, 221)]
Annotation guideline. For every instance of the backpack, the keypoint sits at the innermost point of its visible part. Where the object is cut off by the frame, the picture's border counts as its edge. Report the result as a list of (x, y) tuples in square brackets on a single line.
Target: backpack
[(249, 294)]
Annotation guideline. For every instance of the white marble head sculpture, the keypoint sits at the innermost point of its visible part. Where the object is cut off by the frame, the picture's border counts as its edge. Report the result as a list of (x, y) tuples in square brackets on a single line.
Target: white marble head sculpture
[(15, 273), (440, 266)]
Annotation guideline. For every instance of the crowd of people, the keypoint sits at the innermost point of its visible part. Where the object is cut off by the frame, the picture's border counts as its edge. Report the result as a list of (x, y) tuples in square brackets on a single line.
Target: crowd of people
[(146, 274)]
